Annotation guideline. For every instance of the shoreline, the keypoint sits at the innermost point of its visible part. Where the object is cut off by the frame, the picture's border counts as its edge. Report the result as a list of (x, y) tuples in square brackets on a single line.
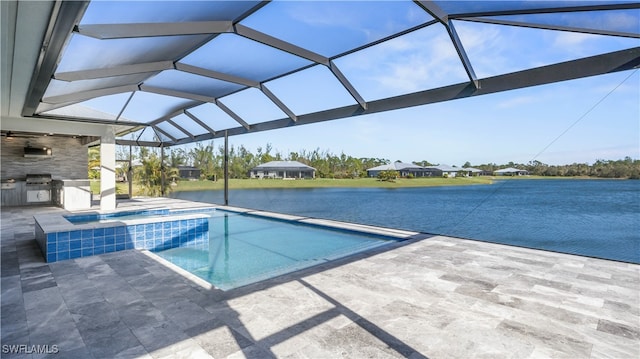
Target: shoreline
[(186, 186), (367, 182)]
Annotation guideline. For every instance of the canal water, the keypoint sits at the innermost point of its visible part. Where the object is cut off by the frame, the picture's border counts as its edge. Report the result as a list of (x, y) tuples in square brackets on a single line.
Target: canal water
[(597, 218)]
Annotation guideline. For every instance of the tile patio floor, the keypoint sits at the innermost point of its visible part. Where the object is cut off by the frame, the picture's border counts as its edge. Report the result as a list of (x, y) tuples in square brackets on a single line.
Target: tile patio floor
[(436, 297)]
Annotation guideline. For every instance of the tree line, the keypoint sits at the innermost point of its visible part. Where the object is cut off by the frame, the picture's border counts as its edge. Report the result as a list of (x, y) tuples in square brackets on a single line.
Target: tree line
[(330, 165), (210, 160), (624, 168)]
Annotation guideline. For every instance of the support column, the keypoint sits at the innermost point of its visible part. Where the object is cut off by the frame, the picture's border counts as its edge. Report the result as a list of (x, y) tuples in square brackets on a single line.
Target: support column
[(162, 171), (108, 170), (130, 173), (226, 168)]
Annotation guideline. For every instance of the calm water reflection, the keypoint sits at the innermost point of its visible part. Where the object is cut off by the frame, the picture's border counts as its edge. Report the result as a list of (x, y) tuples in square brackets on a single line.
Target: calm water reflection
[(599, 218)]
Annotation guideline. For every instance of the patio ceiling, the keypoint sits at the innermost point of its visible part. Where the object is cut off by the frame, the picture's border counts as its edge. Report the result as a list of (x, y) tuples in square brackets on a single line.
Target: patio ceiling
[(180, 72)]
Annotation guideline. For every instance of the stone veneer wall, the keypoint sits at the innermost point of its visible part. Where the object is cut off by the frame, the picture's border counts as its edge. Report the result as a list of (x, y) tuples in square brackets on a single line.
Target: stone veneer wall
[(69, 161)]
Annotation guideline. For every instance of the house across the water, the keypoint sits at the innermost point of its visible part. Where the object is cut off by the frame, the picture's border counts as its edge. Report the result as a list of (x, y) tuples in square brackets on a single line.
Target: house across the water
[(188, 172), (444, 171), (511, 172), (283, 170), (404, 169)]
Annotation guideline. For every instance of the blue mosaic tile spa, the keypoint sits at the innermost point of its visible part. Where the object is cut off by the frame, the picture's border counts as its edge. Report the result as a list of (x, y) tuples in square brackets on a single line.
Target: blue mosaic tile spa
[(76, 236)]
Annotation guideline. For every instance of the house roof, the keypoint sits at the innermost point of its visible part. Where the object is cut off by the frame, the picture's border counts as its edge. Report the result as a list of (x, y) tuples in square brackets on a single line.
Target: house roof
[(175, 72), (188, 168), (471, 169), (509, 170), (446, 168), (283, 165), (396, 166)]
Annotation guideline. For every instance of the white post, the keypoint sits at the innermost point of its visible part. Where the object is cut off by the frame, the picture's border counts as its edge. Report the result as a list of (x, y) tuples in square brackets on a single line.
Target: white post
[(108, 170)]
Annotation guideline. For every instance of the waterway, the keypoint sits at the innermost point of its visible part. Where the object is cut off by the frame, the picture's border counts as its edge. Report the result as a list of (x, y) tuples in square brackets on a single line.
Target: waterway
[(596, 218)]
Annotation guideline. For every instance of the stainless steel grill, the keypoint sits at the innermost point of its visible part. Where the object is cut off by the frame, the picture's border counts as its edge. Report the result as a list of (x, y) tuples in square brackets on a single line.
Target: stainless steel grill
[(38, 179), (38, 188)]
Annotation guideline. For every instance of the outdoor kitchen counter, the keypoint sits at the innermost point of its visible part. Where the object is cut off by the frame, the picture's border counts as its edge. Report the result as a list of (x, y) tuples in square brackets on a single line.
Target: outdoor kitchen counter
[(14, 192), (71, 194)]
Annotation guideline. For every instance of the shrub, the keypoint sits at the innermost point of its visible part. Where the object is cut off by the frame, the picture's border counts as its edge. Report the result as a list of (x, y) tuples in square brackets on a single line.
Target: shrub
[(387, 175)]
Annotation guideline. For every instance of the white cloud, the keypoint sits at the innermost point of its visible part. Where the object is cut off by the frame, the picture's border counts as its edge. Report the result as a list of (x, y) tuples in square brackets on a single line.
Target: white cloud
[(486, 47), (570, 39), (620, 21), (516, 102), (418, 61)]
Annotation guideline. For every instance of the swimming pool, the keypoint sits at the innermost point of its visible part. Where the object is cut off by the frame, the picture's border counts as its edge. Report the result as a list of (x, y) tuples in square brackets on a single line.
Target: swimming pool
[(244, 249)]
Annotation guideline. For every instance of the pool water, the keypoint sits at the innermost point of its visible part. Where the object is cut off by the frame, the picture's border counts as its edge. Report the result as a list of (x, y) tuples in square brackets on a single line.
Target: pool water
[(244, 249), (129, 215)]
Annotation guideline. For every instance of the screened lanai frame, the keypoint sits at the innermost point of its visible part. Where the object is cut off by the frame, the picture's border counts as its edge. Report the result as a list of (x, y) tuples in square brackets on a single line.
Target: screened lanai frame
[(181, 72)]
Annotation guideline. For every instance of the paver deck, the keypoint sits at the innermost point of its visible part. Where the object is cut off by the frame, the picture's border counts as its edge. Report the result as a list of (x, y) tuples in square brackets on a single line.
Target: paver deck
[(435, 297)]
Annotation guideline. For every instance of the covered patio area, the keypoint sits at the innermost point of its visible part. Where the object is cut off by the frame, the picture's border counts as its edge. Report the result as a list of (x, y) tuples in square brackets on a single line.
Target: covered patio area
[(163, 74)]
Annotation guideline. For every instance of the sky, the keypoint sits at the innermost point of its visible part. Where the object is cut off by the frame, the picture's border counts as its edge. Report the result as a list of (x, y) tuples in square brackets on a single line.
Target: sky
[(560, 123), (575, 121)]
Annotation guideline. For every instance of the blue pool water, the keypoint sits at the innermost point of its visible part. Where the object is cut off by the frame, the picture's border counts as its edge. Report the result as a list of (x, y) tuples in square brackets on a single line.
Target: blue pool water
[(128, 215), (244, 249), (110, 217)]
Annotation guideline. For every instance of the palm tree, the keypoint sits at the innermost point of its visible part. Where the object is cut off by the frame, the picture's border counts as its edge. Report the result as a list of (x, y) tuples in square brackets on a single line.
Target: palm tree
[(149, 175), (93, 167)]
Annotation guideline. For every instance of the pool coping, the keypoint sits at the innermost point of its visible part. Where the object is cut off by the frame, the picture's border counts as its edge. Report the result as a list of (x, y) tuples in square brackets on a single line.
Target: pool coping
[(59, 222), (385, 232)]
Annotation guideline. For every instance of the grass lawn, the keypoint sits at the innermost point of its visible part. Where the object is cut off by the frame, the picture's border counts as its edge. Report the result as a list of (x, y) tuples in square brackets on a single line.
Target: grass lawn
[(123, 188), (328, 182), (315, 183)]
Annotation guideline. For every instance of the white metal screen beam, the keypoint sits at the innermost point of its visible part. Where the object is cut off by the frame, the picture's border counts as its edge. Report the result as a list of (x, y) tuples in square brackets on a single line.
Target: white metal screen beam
[(63, 18), (347, 85), (434, 10), (280, 44), (44, 107), (582, 30), (547, 10), (124, 107), (591, 66), (114, 71), (158, 129), (462, 54), (122, 31), (233, 115), (278, 103), (87, 95), (216, 75), (174, 124), (301, 52), (199, 122), (176, 93)]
